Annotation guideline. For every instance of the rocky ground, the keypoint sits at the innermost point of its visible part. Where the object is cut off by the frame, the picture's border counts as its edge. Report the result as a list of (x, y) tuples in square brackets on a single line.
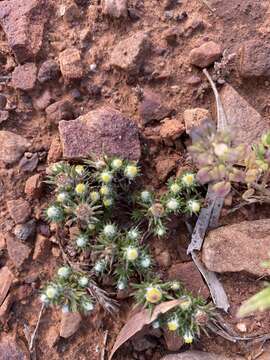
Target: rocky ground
[(124, 77)]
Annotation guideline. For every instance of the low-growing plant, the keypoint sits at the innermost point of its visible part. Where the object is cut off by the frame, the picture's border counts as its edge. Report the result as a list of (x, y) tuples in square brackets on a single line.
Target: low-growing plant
[(223, 164)]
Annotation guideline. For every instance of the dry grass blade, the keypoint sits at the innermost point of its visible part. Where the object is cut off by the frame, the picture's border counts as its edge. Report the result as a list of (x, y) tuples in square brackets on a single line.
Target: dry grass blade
[(138, 321), (102, 298), (208, 6)]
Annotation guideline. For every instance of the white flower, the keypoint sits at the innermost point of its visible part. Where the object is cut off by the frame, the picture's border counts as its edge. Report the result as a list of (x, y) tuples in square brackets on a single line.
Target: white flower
[(51, 292), (172, 204), (145, 262), (194, 206), (62, 197), (146, 196), (132, 253), (121, 285), (156, 324), (105, 190), (160, 231), (81, 240), (91, 226), (94, 196), (79, 169), (87, 306), (185, 303), (109, 230), (131, 171), (63, 272), (175, 188), (44, 299), (133, 234), (83, 281), (188, 179), (175, 285), (65, 309), (99, 266), (117, 163), (53, 212), (220, 149)]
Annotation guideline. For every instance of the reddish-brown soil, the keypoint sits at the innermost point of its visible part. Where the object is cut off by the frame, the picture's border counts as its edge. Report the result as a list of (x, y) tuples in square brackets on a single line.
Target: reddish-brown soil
[(232, 22)]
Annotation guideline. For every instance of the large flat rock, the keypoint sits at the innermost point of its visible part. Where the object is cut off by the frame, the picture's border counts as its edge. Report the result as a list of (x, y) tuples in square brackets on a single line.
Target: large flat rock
[(238, 247), (100, 131)]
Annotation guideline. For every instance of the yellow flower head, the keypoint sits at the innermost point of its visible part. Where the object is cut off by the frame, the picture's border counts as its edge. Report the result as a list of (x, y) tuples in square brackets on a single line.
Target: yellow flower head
[(94, 196), (106, 177), (104, 190), (132, 253), (188, 337), (107, 202), (79, 169), (153, 295), (117, 163), (175, 188), (188, 179), (80, 188), (173, 324), (131, 171)]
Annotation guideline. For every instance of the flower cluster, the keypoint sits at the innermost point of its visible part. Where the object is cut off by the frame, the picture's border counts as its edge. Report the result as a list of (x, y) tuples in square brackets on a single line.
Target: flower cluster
[(221, 164), (181, 197), (119, 252), (69, 291), (186, 319)]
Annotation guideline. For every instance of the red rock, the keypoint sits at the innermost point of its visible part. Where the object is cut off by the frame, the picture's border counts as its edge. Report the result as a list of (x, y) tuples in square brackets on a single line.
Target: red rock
[(55, 151), (25, 231), (206, 54), (6, 278), (100, 131), (19, 210), (70, 323), (173, 341), (60, 110), (171, 129), (23, 23), (24, 77), (164, 165), (71, 64), (44, 100), (254, 59), (11, 349), (129, 54), (12, 146), (115, 8), (52, 336), (42, 247), (200, 355), (29, 162), (49, 70), (72, 13), (194, 117), (17, 251), (4, 115), (238, 247), (244, 121), (151, 108), (33, 186), (188, 274)]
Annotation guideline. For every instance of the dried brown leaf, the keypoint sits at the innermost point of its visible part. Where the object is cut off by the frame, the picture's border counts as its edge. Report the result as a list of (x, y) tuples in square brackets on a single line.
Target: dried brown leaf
[(138, 321), (6, 278)]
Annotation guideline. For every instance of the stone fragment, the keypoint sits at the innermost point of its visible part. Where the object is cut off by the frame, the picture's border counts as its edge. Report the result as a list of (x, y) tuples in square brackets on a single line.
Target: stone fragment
[(171, 129), (60, 110), (28, 162), (70, 323), (6, 278), (100, 131), (52, 336), (164, 259), (55, 151), (245, 122), (4, 115), (205, 54), (151, 108), (3, 101), (17, 251), (19, 210), (33, 186), (49, 70), (254, 59), (44, 100), (25, 231), (24, 77), (194, 117), (12, 146), (238, 247), (141, 343), (23, 22), (115, 8), (173, 341), (188, 274), (71, 64), (72, 13), (129, 54), (42, 247), (200, 355), (164, 165), (10, 349)]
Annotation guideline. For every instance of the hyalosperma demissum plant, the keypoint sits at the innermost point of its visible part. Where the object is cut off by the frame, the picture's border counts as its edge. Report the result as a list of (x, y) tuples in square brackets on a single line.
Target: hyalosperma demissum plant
[(223, 164), (90, 197)]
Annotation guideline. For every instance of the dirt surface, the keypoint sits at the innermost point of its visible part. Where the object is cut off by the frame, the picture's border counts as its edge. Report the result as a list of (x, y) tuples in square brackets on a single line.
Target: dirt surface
[(173, 29)]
